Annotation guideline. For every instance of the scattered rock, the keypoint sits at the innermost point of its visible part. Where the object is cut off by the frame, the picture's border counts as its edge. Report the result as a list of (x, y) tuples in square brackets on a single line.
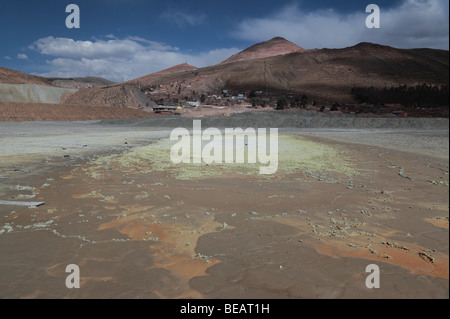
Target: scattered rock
[(22, 188), (427, 257)]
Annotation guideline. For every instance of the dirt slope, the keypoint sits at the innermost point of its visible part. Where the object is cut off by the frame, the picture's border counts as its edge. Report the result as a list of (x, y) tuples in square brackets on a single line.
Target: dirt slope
[(122, 96), (273, 47), (16, 77)]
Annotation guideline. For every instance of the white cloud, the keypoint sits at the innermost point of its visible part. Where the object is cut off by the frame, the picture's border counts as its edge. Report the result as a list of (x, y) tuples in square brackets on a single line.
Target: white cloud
[(118, 59), (8, 57), (69, 48), (22, 56), (414, 23)]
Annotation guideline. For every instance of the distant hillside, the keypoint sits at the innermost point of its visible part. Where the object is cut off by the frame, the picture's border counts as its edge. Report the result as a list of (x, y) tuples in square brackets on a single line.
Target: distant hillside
[(180, 68), (83, 82), (16, 77)]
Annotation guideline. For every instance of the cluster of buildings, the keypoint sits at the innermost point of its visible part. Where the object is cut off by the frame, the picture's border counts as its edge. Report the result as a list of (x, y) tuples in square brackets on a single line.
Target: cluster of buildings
[(177, 95)]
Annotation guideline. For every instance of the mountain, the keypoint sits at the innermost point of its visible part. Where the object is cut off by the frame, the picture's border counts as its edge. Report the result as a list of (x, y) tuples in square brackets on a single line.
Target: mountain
[(273, 47), (326, 75)]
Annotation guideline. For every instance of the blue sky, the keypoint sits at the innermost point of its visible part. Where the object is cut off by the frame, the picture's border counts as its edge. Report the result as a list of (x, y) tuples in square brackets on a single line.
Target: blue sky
[(125, 39)]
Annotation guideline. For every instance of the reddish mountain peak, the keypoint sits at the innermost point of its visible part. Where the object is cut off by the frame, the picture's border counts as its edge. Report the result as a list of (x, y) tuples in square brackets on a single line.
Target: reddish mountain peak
[(179, 67), (273, 47)]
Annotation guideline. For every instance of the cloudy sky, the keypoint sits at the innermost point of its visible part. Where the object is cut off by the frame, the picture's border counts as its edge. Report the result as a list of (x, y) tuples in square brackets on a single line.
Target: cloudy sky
[(125, 39)]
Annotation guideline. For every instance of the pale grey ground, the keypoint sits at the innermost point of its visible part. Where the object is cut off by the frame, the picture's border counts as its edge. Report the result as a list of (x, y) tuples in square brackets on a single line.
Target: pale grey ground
[(32, 93), (32, 140)]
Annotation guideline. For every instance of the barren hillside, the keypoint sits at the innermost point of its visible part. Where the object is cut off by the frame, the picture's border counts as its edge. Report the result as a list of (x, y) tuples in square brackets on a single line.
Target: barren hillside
[(16, 77), (77, 83), (326, 74), (122, 96), (274, 47), (177, 69)]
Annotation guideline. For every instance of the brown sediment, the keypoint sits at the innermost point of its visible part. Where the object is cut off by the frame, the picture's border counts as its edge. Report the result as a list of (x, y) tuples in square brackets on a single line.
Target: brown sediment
[(172, 251), (439, 221), (304, 233), (409, 259), (19, 112)]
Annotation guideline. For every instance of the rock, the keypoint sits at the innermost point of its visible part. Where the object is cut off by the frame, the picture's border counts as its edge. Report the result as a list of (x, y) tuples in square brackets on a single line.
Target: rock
[(427, 257)]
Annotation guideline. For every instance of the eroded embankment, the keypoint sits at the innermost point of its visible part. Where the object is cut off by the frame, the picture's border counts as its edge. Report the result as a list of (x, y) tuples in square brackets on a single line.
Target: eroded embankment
[(32, 93)]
